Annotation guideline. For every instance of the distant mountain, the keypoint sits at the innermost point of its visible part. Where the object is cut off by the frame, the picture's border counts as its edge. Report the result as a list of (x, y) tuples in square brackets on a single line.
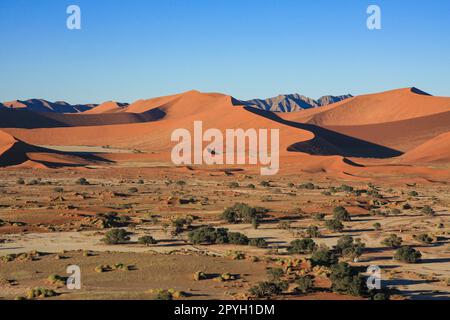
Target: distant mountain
[(39, 105), (292, 102)]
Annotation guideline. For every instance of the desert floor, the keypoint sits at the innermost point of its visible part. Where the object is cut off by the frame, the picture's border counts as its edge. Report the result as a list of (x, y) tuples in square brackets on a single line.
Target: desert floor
[(52, 214)]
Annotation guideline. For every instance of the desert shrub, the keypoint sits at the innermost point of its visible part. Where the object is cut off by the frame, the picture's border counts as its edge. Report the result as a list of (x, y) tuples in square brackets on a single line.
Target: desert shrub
[(341, 214), (199, 275), (275, 274), (255, 223), (237, 238), (302, 246), (308, 186), (395, 211), (305, 284), (290, 185), (326, 193), (407, 206), (407, 254), (313, 232), (163, 295), (113, 220), (424, 238), (267, 289), (346, 188), (242, 212), (180, 183), (208, 235), (258, 242), (392, 241), (58, 189), (413, 193), (350, 248), (427, 210), (20, 181), (116, 236), (377, 226), (233, 185), (345, 280), (82, 182), (147, 240), (33, 182), (251, 186), (133, 190), (323, 256), (265, 183), (56, 280), (319, 216), (179, 224), (334, 225), (40, 293)]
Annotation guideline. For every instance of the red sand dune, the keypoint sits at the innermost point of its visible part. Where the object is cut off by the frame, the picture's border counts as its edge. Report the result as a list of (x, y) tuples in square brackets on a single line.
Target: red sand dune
[(436, 150), (394, 105), (331, 139), (107, 107)]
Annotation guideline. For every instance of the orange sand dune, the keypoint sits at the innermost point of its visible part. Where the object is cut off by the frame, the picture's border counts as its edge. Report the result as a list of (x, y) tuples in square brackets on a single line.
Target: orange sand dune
[(436, 150), (107, 107), (370, 126), (14, 152), (376, 108)]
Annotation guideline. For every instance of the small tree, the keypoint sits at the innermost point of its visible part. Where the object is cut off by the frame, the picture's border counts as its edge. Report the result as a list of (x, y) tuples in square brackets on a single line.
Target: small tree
[(237, 238), (407, 254), (334, 225), (392, 241), (116, 236), (341, 214), (424, 238), (305, 284), (323, 257), (302, 246), (313, 232), (275, 274), (258, 242), (427, 210), (346, 280), (147, 240)]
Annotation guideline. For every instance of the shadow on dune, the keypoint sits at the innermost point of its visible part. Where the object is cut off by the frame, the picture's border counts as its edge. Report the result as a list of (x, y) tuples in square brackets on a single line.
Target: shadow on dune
[(330, 143), (33, 120)]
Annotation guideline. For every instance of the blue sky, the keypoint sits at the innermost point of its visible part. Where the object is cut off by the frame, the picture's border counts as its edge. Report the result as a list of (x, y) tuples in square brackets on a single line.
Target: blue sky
[(128, 50)]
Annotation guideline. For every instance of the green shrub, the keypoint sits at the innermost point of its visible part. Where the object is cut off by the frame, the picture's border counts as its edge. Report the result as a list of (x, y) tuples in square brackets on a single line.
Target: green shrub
[(427, 210), (313, 232), (275, 274), (133, 190), (392, 241), (377, 226), (147, 240), (82, 182), (237, 238), (424, 238), (40, 293), (242, 212), (116, 236), (208, 235), (302, 246), (350, 248), (258, 242), (407, 254), (341, 214), (267, 289), (345, 280), (319, 216), (305, 284), (334, 225), (323, 257)]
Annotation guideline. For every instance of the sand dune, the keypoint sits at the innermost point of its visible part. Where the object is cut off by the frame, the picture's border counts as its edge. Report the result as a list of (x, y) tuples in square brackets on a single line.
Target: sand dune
[(328, 139), (395, 105), (107, 107), (436, 150)]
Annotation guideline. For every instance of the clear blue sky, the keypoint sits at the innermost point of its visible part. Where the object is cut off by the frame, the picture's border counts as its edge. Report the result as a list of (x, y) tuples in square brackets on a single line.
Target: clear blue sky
[(135, 49)]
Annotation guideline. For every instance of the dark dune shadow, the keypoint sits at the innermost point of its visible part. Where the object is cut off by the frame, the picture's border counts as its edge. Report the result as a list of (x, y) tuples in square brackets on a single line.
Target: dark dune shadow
[(327, 142)]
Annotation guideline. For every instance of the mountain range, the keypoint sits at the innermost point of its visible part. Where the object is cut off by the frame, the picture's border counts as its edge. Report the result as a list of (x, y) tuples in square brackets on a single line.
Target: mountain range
[(281, 103)]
